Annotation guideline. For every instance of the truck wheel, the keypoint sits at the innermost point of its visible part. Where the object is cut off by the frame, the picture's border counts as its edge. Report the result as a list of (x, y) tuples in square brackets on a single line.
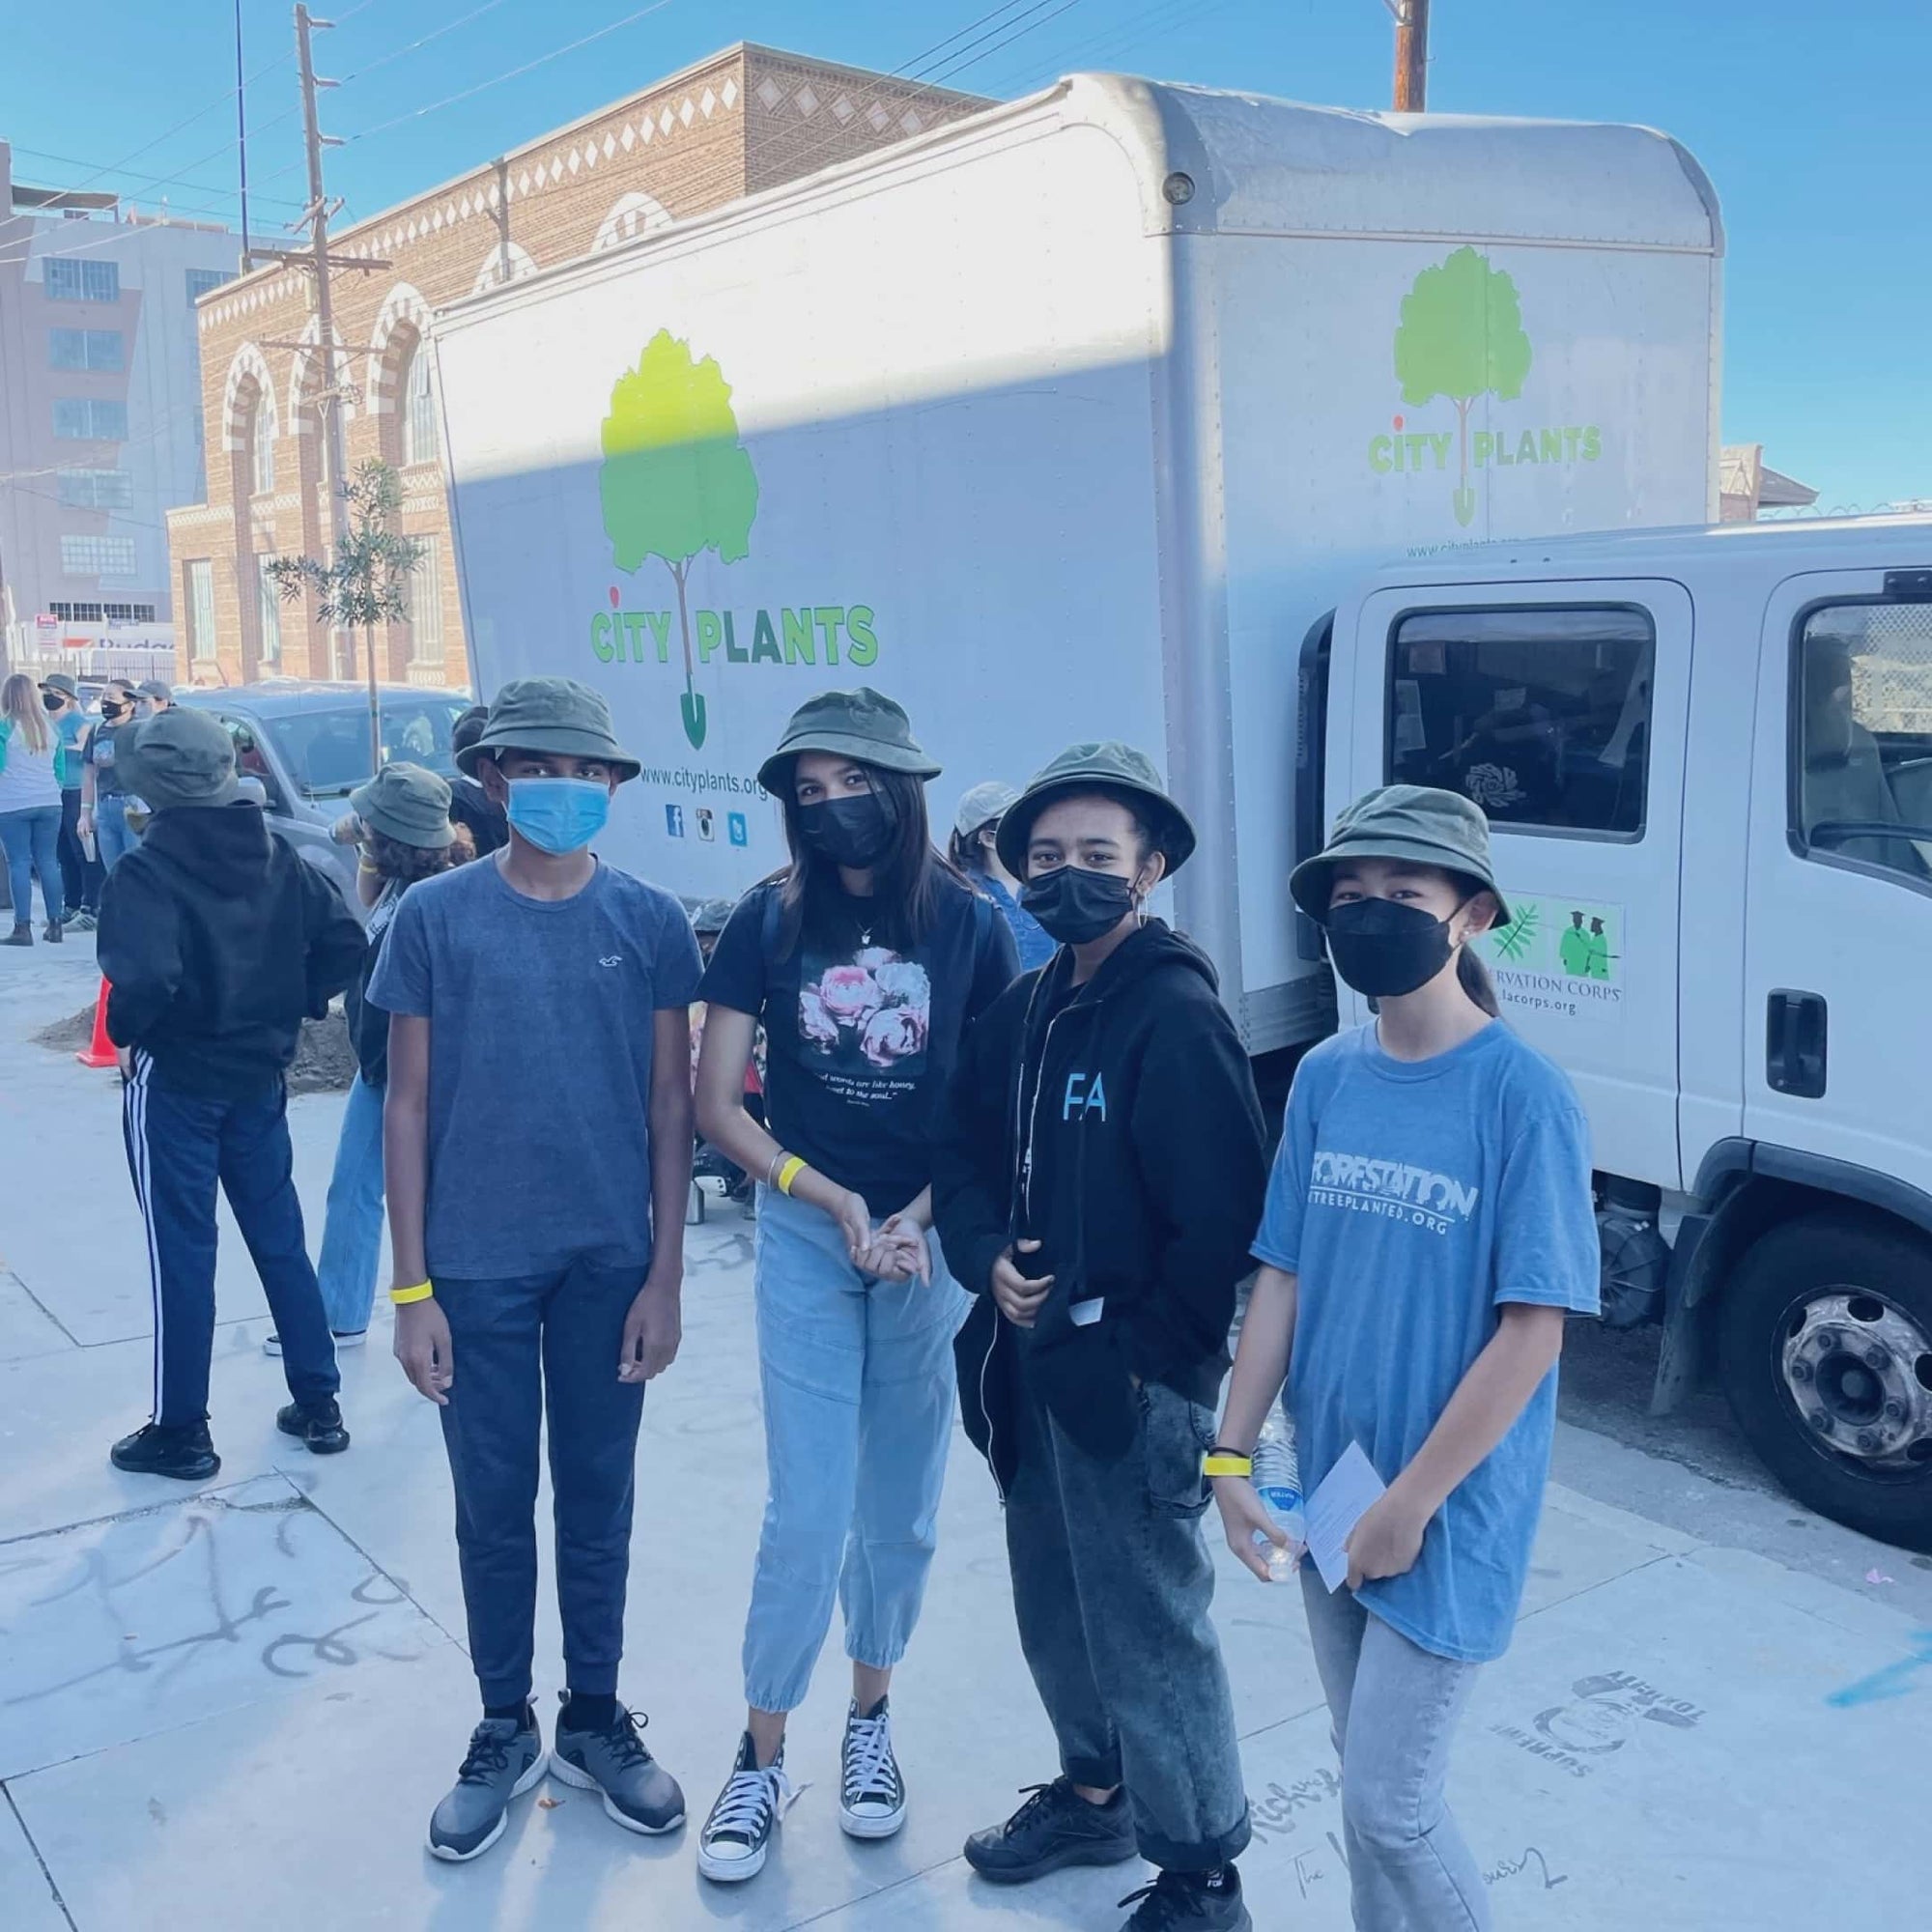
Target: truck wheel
[(1827, 1352)]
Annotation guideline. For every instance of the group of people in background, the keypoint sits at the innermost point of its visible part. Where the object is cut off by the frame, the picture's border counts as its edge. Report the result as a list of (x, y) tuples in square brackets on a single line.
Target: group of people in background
[(1006, 1153), (62, 807)]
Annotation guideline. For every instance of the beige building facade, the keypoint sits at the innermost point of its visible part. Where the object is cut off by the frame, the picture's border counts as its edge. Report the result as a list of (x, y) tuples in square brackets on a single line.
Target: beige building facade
[(745, 119)]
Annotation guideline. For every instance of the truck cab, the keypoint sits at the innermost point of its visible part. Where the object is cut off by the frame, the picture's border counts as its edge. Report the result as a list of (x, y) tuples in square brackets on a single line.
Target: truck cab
[(1706, 757)]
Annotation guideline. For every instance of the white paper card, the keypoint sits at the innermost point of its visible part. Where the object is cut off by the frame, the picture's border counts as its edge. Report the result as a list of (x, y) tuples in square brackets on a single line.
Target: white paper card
[(1340, 1501)]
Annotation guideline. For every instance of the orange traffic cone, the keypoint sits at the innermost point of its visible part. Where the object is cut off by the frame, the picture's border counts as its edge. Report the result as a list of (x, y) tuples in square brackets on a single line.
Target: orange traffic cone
[(99, 1050)]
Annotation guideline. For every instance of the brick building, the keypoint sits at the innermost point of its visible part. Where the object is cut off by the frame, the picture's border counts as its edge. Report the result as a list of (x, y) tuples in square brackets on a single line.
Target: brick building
[(745, 119)]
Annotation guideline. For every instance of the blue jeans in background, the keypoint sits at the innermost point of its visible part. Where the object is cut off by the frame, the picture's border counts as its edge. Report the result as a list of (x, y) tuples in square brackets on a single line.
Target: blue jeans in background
[(516, 1346), (112, 838), (1395, 1707), (32, 842), (352, 1230), (858, 1383)]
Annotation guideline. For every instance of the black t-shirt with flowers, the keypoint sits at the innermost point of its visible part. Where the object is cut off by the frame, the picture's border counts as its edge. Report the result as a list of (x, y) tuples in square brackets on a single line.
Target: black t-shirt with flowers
[(862, 1036)]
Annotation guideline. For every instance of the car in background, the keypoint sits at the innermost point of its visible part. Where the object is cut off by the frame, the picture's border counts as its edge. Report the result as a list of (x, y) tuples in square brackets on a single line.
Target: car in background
[(307, 744)]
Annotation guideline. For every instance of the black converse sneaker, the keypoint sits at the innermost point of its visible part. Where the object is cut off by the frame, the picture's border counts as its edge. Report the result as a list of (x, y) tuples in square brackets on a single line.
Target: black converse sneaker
[(1190, 1902), (871, 1793), (738, 1832)]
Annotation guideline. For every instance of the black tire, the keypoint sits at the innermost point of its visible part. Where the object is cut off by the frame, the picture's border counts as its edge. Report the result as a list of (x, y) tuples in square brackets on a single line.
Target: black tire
[(1779, 1273)]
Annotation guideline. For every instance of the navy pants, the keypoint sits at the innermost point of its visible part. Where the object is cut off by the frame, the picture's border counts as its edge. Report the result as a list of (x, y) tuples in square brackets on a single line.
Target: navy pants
[(520, 1346), (179, 1147)]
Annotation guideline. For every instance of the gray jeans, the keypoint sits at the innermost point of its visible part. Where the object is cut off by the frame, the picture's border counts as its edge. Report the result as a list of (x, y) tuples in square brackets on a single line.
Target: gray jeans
[(1395, 1708), (1112, 1584)]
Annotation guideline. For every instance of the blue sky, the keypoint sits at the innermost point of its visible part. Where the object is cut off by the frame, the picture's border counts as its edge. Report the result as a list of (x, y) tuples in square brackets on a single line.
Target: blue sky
[(1806, 116)]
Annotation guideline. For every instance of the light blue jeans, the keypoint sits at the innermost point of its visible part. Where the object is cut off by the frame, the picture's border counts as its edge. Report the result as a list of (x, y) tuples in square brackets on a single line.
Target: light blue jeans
[(351, 1231), (858, 1387), (1395, 1707), (113, 837)]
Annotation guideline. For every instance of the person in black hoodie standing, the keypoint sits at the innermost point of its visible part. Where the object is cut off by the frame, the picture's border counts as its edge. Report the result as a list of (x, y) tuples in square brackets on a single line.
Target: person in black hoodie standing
[(1102, 1156), (216, 941)]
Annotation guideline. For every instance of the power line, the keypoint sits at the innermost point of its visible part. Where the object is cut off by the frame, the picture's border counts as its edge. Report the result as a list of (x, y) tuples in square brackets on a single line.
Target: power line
[(163, 181), (435, 34), (483, 86)]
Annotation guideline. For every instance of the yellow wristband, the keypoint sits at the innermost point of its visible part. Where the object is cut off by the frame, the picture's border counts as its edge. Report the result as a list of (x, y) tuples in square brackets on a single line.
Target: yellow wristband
[(422, 1292), (1227, 1465), (790, 1173)]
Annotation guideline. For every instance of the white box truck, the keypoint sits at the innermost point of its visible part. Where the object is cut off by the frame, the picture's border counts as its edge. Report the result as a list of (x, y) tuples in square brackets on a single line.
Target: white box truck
[(1069, 420), (1090, 417)]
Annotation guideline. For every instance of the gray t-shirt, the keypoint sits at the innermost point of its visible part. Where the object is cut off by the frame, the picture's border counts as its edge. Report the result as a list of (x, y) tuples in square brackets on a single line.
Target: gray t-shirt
[(542, 1017)]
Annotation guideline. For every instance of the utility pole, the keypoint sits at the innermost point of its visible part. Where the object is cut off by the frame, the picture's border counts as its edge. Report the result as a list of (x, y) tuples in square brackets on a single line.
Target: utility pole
[(241, 136), (334, 456), (1412, 55)]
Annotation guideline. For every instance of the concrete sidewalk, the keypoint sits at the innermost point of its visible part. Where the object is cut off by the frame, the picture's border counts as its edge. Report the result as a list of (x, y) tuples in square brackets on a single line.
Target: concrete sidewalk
[(236, 1708)]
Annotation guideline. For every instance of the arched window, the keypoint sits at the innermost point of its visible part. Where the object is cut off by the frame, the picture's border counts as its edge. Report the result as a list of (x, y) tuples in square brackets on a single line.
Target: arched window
[(421, 441), (262, 446)]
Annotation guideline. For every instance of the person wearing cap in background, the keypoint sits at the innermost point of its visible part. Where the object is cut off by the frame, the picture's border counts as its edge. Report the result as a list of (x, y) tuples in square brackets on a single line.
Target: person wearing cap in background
[(216, 942), (867, 959), (399, 822), (975, 849), (1102, 1162), (160, 696), (1429, 1226), (104, 797), (537, 1140), (708, 918), (470, 806), (81, 875)]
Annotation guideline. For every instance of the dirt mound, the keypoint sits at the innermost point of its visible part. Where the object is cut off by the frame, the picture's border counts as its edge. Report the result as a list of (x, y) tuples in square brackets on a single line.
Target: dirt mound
[(324, 1062), (68, 1035)]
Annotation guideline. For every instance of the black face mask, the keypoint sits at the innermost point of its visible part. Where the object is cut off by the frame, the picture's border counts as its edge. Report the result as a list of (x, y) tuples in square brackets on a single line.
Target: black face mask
[(1384, 949), (1076, 905), (52, 700), (110, 713), (855, 832)]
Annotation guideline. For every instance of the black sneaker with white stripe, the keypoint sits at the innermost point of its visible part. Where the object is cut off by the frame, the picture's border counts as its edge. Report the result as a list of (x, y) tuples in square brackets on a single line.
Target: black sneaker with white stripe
[(738, 1832), (871, 1793)]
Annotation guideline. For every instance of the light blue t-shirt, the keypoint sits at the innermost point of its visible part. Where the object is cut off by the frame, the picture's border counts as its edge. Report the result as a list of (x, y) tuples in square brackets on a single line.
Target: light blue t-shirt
[(542, 1020), (1036, 944), (1409, 1199)]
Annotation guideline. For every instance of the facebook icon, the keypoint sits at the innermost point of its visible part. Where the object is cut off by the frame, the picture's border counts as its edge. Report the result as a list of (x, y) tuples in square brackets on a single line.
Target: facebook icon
[(675, 820), (740, 831)]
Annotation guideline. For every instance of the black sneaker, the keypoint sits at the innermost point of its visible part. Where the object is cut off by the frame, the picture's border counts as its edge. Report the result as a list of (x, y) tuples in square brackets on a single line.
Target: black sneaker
[(1189, 1902), (1054, 1826), (316, 1425), (186, 1454), (638, 1793), (871, 1793), (738, 1832)]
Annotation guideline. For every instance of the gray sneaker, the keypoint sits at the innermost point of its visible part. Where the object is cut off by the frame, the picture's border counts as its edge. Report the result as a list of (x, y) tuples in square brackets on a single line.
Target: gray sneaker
[(638, 1793), (506, 1759)]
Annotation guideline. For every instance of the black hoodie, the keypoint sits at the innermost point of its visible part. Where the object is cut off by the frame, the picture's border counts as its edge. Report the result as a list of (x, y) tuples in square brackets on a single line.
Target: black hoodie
[(216, 942), (1116, 1124)]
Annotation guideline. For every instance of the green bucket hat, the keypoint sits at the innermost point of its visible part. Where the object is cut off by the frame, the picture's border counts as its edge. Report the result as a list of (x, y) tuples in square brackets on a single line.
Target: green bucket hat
[(865, 724), (1417, 823), (406, 803), (178, 757), (60, 681), (550, 714), (1108, 766)]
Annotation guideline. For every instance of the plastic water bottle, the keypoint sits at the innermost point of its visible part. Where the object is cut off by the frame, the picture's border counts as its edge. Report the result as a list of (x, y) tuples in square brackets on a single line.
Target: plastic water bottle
[(1277, 1481)]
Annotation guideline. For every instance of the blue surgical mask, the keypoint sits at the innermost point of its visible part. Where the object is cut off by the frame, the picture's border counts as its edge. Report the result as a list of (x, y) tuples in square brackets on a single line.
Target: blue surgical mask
[(559, 815)]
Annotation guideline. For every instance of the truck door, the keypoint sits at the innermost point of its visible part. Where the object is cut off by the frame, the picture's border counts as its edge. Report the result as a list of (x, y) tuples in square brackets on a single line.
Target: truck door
[(1560, 708), (1838, 931)]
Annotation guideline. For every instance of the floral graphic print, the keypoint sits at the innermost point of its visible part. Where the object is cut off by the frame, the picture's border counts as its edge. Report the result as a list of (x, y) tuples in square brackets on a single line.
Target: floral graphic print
[(865, 1017)]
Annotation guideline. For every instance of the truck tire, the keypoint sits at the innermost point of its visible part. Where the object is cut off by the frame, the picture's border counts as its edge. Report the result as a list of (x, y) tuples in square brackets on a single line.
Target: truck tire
[(1826, 1343)]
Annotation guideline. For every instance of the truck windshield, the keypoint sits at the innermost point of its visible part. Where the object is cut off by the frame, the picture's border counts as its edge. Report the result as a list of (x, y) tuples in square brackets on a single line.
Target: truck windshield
[(327, 752)]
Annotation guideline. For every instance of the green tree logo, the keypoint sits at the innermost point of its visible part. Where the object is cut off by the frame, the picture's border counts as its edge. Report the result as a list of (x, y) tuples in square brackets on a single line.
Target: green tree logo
[(1461, 336), (676, 481)]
